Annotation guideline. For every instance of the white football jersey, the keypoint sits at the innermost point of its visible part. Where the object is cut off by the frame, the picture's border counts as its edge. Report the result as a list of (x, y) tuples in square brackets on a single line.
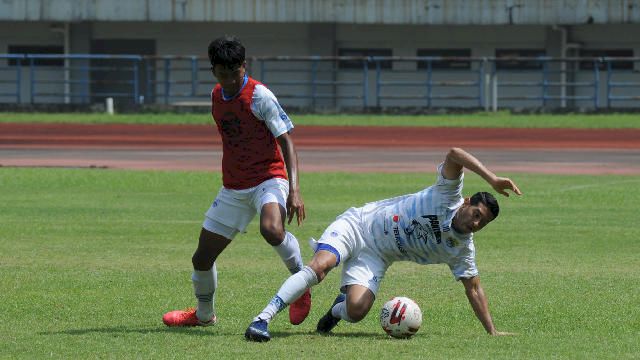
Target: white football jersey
[(265, 106), (417, 227)]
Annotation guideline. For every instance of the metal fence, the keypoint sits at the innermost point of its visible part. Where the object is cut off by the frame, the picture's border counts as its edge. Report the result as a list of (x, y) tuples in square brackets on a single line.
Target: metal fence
[(330, 82)]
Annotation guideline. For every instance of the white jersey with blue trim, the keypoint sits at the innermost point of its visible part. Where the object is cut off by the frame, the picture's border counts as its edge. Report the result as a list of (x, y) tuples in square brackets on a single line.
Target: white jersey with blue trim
[(417, 227)]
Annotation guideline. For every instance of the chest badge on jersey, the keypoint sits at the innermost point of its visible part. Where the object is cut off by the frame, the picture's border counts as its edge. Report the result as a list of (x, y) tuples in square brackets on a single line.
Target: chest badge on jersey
[(452, 242)]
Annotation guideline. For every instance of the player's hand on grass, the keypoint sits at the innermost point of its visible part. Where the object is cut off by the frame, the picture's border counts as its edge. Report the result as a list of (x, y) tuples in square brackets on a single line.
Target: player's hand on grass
[(295, 205), (501, 184)]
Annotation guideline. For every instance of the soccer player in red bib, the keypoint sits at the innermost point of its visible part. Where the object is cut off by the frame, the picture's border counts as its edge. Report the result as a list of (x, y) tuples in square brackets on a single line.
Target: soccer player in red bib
[(257, 178)]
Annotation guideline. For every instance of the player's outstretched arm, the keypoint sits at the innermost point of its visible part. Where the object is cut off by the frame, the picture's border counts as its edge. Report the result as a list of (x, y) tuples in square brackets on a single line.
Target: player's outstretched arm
[(457, 159), (480, 305), (295, 205)]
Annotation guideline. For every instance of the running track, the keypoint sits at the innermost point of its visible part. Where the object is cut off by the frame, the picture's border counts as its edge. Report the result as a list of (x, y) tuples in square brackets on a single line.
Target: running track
[(349, 149)]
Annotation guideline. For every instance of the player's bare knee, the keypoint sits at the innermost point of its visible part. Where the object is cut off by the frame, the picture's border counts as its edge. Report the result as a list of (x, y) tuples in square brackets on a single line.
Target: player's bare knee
[(358, 309), (201, 261), (357, 312), (321, 275), (321, 267), (272, 233)]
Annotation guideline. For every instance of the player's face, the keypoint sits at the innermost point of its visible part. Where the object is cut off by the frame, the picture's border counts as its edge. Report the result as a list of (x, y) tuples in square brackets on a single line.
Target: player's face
[(471, 218), (229, 78)]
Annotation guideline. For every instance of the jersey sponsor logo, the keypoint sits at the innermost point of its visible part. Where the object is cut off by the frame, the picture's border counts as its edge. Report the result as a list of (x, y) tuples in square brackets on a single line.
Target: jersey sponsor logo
[(398, 238), (395, 218), (424, 230), (435, 227)]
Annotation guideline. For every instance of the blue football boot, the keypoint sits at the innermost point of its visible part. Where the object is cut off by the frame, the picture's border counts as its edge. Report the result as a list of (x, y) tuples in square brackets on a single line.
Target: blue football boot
[(328, 321), (258, 331)]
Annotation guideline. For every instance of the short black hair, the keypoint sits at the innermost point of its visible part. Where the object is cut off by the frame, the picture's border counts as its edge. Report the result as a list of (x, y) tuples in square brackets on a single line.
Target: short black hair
[(488, 200), (227, 51)]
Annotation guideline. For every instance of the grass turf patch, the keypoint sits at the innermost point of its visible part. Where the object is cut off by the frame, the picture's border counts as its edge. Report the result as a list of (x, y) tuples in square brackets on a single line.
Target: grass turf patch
[(91, 259), (483, 120)]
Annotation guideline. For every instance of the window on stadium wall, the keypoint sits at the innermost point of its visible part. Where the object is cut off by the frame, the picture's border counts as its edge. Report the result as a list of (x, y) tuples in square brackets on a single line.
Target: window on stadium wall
[(512, 64), (615, 65), (446, 64), (36, 49), (357, 64)]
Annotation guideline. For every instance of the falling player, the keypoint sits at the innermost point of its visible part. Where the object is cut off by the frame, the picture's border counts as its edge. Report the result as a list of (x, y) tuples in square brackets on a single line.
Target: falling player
[(433, 226)]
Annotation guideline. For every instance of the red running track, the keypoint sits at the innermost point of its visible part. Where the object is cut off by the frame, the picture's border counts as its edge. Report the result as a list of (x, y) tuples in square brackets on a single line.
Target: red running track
[(378, 149), (197, 136)]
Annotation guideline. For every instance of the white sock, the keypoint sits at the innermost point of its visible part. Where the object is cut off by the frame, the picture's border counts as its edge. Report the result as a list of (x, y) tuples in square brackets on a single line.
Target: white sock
[(289, 292), (289, 251), (339, 311), (204, 287), (313, 243)]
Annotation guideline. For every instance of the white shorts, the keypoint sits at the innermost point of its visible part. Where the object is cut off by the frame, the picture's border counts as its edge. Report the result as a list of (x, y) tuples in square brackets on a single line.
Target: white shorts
[(360, 264), (233, 210)]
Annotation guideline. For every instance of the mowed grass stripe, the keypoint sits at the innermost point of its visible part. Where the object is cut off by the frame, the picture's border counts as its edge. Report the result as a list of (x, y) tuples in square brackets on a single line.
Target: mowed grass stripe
[(91, 259)]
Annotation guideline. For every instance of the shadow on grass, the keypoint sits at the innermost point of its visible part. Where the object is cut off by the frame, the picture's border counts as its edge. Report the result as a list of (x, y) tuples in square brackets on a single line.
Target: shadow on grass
[(350, 335), (203, 332), (369, 335), (125, 330)]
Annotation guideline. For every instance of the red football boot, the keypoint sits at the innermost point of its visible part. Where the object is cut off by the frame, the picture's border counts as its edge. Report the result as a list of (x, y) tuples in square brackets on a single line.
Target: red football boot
[(299, 309), (186, 317)]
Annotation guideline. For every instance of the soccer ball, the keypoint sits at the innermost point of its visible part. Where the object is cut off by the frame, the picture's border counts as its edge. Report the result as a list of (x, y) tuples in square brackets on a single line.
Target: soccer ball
[(400, 317)]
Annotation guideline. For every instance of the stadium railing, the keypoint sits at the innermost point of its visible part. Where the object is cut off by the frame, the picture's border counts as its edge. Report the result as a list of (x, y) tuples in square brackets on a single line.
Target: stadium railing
[(432, 83), (318, 82), (546, 74), (71, 78), (6, 71), (625, 73)]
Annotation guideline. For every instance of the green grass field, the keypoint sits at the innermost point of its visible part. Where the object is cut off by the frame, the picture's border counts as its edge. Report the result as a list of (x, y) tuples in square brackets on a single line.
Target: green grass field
[(490, 120), (91, 259)]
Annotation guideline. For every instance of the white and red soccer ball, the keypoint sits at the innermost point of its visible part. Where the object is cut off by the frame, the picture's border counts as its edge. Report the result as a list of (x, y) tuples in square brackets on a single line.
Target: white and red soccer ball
[(400, 317)]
